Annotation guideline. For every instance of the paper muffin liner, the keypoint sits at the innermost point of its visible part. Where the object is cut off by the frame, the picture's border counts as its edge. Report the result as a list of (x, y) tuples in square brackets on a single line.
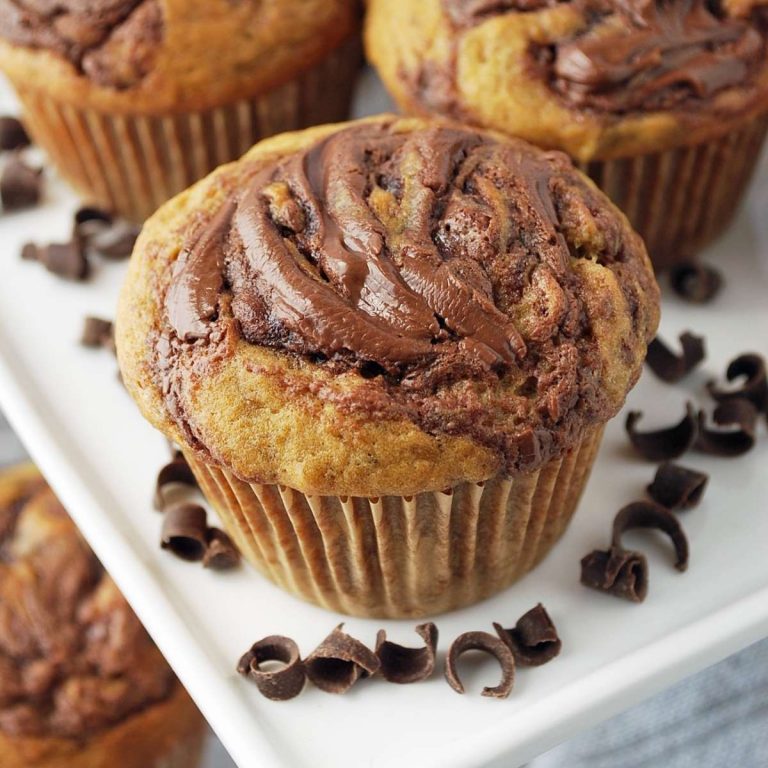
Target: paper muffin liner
[(683, 199), (401, 556), (132, 164)]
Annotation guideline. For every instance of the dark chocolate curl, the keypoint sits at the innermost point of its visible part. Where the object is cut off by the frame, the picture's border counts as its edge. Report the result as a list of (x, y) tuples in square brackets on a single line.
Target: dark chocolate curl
[(66, 260), (279, 684), (88, 221), (694, 282), (185, 531), (533, 640), (676, 487), (98, 333), (670, 367), (646, 514), (667, 443), (741, 416), (12, 134), (487, 643), (176, 472), (407, 665), (618, 572), (754, 388), (115, 241), (339, 662), (20, 185), (221, 554)]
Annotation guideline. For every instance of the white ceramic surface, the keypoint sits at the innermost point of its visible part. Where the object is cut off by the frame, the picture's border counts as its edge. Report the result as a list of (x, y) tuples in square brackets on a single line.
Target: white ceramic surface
[(101, 457)]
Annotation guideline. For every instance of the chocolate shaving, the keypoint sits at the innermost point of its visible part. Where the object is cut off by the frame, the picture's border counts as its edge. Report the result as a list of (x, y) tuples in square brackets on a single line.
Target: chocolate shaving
[(755, 386), (339, 662), (276, 684), (63, 259), (667, 365), (694, 282), (115, 241), (185, 531), (676, 487), (619, 572), (89, 221), (98, 333), (667, 443), (400, 664), (533, 640), (20, 185), (176, 472), (487, 643), (738, 414), (646, 514), (221, 554), (12, 134)]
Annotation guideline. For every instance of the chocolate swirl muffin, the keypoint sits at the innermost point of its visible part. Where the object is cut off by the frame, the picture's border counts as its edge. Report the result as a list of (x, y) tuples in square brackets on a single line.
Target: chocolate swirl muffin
[(396, 326), (136, 99), (81, 683), (663, 102)]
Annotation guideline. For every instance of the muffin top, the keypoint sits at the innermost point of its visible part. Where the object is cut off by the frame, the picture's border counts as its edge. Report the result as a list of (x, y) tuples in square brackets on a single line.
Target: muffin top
[(390, 306), (153, 55), (597, 78), (74, 658)]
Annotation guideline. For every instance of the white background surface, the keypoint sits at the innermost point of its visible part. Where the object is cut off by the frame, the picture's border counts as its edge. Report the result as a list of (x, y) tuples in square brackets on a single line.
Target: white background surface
[(101, 458)]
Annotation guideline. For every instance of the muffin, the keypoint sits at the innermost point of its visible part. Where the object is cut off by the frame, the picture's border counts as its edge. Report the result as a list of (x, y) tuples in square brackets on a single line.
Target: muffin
[(134, 100), (81, 683), (387, 350), (663, 104)]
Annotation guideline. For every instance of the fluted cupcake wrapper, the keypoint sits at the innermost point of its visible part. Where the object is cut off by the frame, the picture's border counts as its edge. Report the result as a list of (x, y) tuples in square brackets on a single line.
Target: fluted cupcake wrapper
[(401, 556), (683, 199), (133, 163)]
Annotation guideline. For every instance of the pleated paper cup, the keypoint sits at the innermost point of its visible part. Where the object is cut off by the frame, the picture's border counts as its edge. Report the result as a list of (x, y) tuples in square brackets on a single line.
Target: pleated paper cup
[(683, 199), (132, 164), (401, 556)]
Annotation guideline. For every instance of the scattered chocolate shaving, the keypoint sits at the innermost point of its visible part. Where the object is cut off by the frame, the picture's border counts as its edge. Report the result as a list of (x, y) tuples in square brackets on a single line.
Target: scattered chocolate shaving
[(677, 487), (221, 554), (619, 572), (755, 386), (339, 662), (12, 134), (738, 414), (667, 443), (176, 472), (276, 684), (185, 531), (487, 643), (533, 640), (400, 664), (98, 333), (20, 185), (63, 259), (115, 241), (647, 514), (89, 221), (670, 367), (694, 282)]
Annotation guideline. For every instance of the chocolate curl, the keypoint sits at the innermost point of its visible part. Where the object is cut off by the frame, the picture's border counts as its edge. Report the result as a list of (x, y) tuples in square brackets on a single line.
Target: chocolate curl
[(487, 643), (407, 665), (12, 134), (115, 241), (63, 259), (676, 487), (20, 185), (667, 365), (618, 572), (646, 514), (279, 684), (98, 333), (533, 640), (185, 531), (755, 386), (176, 472), (741, 416), (667, 443), (339, 662), (88, 222), (695, 282), (221, 554)]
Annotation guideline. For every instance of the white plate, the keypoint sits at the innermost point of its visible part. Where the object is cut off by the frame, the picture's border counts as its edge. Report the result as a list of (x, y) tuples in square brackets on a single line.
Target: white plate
[(101, 457)]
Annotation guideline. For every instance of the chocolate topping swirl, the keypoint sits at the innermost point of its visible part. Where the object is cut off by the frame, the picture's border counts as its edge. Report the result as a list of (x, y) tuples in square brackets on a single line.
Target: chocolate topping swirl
[(436, 263)]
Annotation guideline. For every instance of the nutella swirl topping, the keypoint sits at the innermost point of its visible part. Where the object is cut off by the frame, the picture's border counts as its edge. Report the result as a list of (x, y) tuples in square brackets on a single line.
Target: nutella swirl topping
[(435, 263)]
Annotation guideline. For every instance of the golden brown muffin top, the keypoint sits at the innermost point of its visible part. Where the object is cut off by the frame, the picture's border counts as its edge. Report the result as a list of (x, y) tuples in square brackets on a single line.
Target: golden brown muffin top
[(74, 658), (159, 55), (386, 307)]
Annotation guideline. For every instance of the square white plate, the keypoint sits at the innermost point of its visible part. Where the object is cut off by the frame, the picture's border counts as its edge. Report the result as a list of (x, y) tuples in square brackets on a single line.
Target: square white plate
[(101, 457)]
